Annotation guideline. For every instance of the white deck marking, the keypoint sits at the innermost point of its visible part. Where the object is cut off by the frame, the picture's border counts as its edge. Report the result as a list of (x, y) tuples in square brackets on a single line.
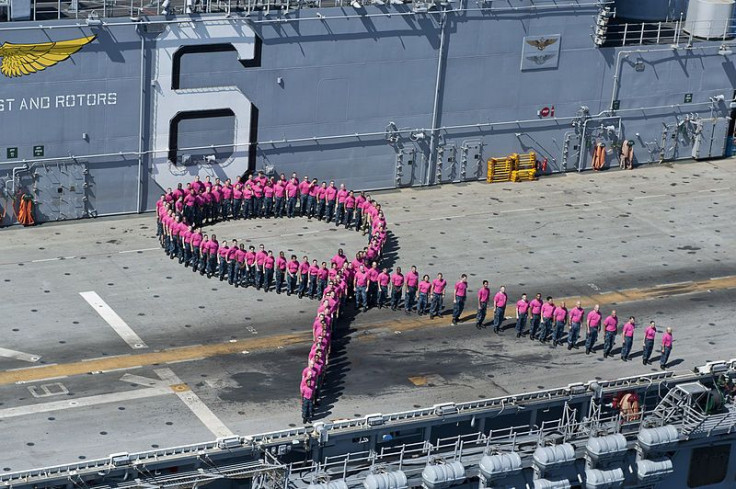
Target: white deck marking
[(44, 259), (649, 196), (115, 321), (194, 403), (19, 355), (136, 251), (84, 402)]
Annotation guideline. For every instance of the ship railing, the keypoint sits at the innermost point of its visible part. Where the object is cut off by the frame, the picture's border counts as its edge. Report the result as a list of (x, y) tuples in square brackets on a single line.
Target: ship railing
[(665, 32)]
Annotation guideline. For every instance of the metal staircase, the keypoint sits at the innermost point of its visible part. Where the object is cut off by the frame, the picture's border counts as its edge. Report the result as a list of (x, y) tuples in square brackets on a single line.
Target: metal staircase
[(682, 406)]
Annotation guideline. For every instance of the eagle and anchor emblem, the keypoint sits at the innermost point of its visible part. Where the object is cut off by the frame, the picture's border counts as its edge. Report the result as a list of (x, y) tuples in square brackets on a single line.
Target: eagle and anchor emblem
[(26, 59)]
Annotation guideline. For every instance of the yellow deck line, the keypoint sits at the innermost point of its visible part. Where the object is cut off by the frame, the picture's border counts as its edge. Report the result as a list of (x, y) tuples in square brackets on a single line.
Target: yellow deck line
[(401, 323)]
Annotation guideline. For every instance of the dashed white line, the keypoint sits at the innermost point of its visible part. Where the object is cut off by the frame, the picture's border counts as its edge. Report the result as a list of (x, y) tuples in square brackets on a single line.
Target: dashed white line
[(141, 250), (19, 355), (45, 259), (649, 197), (446, 217), (115, 321), (526, 209)]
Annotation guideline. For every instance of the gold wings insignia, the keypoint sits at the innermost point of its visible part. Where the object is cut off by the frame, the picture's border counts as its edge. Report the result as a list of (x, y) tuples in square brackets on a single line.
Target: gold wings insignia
[(24, 59), (541, 44)]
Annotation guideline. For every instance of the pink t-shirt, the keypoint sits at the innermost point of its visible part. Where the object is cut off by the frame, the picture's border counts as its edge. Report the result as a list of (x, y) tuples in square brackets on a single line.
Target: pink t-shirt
[(261, 257), (304, 267), (383, 279), (522, 306), (281, 263), (424, 287), (313, 270), (576, 314), (279, 189), (536, 306), (293, 266), (269, 262), (628, 329), (666, 340), (500, 299), (611, 323), (594, 318), (397, 279), (461, 288), (438, 286), (547, 310), (292, 189), (196, 239), (339, 260), (304, 188), (650, 333), (361, 278), (560, 313), (373, 274), (342, 195), (412, 279), (330, 193), (483, 294)]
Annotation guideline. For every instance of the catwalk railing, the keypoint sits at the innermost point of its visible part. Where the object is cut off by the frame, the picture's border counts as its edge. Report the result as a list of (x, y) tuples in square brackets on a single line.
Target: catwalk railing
[(669, 32), (571, 425), (138, 9)]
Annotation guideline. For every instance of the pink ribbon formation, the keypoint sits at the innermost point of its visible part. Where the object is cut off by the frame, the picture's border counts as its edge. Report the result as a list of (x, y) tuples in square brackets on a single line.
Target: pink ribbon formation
[(183, 212)]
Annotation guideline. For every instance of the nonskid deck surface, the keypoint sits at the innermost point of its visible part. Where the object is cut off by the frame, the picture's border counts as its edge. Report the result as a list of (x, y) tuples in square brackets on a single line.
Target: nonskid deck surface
[(655, 243)]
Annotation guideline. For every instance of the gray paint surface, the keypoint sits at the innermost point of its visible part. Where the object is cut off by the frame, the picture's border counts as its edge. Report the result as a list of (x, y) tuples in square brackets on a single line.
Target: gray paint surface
[(327, 90)]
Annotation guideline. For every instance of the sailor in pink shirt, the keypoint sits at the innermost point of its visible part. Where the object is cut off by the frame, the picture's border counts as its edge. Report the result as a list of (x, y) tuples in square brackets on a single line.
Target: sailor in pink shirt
[(269, 263), (339, 259), (292, 274), (280, 271), (322, 276), (196, 243), (576, 320), (232, 263), (279, 194), (627, 338), (383, 280), (349, 210), (397, 285), (458, 300), (292, 195), (361, 283), (610, 325), (484, 294), (522, 312), (342, 194), (412, 283), (372, 292), (321, 200), (592, 323), (330, 198), (649, 334), (666, 348), (547, 309), (240, 260), (268, 192), (304, 187), (260, 258), (313, 279), (438, 294), (499, 309), (560, 317), (223, 252), (424, 287)]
